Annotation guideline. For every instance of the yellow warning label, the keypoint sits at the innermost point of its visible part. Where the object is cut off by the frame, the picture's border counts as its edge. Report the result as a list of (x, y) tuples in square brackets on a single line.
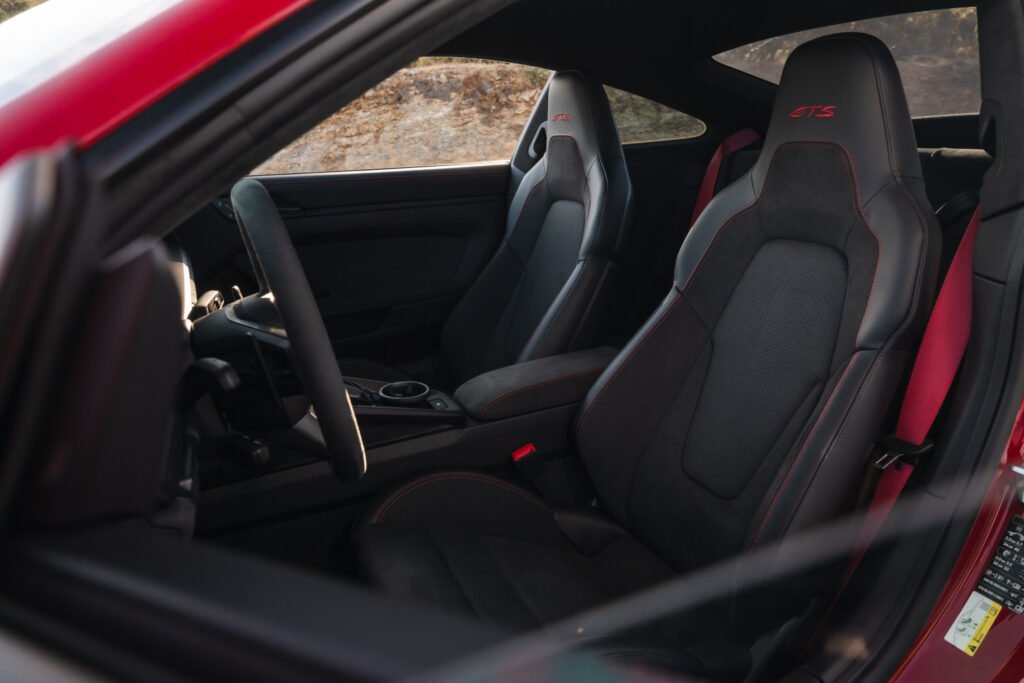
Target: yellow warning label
[(973, 624)]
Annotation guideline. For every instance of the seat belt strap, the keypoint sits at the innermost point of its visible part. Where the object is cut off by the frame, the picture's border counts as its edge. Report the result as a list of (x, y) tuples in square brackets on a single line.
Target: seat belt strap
[(938, 359), (732, 143)]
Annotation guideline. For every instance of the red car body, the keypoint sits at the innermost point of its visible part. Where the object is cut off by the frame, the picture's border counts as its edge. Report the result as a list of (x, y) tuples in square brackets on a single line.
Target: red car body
[(1002, 659), (87, 101)]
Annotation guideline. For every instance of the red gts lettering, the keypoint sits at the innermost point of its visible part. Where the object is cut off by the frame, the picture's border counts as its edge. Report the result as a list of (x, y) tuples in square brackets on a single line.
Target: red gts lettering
[(560, 117), (814, 111)]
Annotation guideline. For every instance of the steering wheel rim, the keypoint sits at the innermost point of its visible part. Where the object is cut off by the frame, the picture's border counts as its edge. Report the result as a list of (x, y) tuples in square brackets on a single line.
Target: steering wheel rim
[(279, 271)]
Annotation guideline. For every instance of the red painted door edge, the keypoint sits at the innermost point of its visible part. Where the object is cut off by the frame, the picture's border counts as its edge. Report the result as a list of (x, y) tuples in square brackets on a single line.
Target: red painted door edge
[(94, 97), (1000, 656)]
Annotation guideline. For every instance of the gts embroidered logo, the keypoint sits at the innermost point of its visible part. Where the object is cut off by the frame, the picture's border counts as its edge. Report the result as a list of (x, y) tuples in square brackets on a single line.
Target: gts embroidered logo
[(560, 117), (816, 111)]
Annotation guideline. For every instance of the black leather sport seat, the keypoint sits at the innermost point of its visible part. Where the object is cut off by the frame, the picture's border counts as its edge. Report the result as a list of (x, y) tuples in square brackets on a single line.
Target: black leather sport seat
[(544, 291), (745, 409)]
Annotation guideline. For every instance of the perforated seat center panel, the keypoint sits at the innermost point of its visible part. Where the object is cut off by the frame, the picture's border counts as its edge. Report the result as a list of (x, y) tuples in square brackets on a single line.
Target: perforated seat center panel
[(770, 354), (739, 367)]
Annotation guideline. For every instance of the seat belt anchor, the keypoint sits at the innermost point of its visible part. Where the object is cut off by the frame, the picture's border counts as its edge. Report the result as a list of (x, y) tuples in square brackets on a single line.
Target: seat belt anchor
[(899, 451)]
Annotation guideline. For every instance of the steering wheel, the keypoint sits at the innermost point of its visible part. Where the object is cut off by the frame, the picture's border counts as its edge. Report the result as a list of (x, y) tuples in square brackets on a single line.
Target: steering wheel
[(279, 272)]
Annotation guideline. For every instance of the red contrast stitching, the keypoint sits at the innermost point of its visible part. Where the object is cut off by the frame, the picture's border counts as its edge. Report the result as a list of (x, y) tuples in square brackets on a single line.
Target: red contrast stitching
[(615, 373), (796, 460), (681, 294)]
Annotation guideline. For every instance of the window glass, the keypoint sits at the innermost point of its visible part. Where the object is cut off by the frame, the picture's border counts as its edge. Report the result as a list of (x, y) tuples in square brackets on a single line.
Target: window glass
[(40, 40), (442, 110), (436, 111), (641, 120), (936, 52)]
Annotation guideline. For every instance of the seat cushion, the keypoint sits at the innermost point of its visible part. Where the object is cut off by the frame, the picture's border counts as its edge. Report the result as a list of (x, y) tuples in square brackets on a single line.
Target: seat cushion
[(476, 543)]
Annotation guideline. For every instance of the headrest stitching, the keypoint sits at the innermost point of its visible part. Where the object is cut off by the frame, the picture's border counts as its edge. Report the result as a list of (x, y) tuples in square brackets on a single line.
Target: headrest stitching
[(894, 172)]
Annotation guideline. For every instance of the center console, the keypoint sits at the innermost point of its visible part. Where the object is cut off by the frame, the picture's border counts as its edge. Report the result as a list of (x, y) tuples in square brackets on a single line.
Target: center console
[(409, 429), (390, 411)]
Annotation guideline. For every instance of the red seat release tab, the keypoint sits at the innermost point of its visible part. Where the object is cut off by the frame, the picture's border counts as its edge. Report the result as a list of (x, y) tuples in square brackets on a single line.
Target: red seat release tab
[(523, 452), (528, 461)]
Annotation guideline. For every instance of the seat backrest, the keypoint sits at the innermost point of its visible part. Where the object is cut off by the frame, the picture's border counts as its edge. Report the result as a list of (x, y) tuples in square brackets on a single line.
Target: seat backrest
[(746, 407), (542, 293)]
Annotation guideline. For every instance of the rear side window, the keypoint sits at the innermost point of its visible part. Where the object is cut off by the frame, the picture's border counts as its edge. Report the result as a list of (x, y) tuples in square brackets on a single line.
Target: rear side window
[(641, 120), (936, 52)]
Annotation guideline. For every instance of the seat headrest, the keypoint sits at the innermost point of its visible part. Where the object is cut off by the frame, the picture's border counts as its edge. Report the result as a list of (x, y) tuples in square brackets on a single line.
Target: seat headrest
[(846, 89), (578, 108)]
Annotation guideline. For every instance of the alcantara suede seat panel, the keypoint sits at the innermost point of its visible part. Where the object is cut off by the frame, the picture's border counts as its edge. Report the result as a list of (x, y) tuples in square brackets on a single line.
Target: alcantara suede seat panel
[(494, 550), (770, 353)]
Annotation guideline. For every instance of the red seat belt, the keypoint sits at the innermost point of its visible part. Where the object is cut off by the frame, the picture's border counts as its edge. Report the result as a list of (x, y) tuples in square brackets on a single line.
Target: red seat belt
[(938, 358), (732, 143)]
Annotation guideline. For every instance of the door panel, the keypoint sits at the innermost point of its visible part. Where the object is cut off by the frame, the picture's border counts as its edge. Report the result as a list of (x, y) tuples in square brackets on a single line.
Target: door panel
[(387, 253)]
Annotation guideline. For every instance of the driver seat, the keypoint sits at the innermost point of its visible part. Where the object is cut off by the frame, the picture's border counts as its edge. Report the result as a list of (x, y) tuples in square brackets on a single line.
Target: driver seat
[(745, 409), (549, 284)]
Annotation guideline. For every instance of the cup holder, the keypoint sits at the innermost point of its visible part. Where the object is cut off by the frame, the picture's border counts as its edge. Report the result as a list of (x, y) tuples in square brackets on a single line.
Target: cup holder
[(404, 393)]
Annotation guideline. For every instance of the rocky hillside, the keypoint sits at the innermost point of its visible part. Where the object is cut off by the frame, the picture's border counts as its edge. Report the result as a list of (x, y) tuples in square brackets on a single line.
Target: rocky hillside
[(422, 116)]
